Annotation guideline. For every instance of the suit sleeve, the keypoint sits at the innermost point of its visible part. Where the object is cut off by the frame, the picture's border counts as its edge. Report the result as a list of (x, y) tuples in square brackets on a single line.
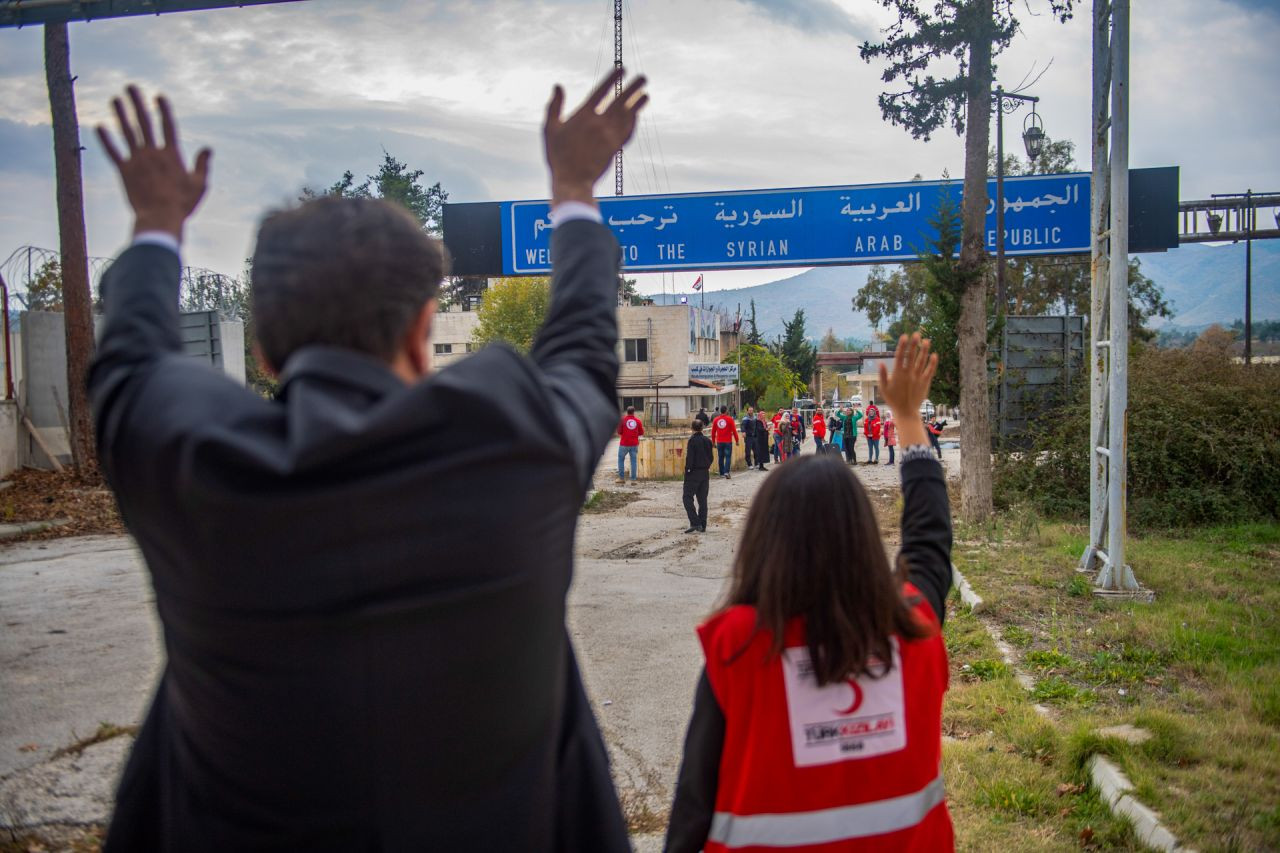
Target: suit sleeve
[(140, 327), (575, 349), (695, 800), (926, 531)]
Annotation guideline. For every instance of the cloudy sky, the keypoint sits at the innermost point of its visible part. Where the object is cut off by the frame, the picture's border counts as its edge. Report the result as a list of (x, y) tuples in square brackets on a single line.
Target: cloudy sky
[(745, 94)]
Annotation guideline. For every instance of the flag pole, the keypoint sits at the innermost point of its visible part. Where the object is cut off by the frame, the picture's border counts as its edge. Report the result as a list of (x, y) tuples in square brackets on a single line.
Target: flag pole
[(704, 291)]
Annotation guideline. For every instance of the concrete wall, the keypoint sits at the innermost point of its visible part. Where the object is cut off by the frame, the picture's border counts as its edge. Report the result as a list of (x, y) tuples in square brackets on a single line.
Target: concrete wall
[(41, 371), (8, 437), (455, 330)]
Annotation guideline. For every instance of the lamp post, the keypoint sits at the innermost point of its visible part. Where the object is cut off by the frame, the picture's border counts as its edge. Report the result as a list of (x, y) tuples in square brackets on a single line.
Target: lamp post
[(1033, 138)]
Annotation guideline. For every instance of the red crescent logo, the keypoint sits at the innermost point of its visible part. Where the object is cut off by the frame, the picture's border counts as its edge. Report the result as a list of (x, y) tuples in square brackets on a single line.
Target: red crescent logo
[(857, 699)]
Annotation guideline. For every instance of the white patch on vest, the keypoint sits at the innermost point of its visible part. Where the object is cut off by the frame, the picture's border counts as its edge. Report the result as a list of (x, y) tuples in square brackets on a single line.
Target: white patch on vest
[(721, 423), (631, 423), (860, 718)]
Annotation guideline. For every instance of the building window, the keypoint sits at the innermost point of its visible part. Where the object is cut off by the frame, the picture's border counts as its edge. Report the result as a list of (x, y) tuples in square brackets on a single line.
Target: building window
[(471, 347), (444, 349), (638, 402), (635, 349)]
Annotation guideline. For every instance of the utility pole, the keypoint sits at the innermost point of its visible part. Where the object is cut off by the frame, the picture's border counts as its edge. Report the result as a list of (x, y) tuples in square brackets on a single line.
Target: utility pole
[(76, 307), (1109, 307), (617, 87)]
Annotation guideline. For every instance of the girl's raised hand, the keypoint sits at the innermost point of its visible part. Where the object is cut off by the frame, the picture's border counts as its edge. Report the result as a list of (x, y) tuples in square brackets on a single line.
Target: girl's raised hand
[(913, 368)]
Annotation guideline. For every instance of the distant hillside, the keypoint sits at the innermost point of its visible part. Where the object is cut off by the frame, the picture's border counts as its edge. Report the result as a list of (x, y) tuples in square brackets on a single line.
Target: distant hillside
[(1203, 284), (825, 293)]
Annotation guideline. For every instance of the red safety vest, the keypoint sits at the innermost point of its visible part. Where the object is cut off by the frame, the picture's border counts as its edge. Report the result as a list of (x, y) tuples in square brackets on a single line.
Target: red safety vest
[(853, 766)]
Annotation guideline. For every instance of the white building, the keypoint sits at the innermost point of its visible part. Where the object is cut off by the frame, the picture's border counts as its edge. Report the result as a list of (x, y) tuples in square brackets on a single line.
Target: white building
[(656, 345)]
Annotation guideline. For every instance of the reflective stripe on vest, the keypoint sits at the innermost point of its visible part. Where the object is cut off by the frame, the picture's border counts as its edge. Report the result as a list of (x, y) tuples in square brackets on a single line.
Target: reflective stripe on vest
[(827, 825)]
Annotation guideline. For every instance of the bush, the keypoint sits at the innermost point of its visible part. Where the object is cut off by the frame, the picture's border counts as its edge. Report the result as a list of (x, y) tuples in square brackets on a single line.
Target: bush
[(1204, 445)]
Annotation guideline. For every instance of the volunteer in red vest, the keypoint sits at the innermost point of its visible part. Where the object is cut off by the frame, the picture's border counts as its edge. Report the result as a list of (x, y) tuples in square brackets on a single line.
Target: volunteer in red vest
[(629, 431), (890, 434), (819, 430), (817, 722), (724, 435), (871, 428)]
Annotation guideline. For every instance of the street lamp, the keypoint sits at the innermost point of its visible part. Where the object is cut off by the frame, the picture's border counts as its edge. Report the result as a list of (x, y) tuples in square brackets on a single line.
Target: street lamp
[(1033, 135), (1215, 223), (1033, 138)]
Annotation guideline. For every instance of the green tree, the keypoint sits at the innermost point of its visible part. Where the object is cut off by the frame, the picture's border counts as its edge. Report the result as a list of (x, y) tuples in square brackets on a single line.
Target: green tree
[(44, 292), (513, 311), (627, 294), (762, 371), (830, 343), (944, 285), (959, 38), (753, 331), (800, 356), (394, 181), (893, 300)]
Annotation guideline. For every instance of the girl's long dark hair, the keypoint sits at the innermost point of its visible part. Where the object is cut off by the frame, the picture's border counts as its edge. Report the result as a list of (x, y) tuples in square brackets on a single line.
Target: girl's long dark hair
[(812, 548)]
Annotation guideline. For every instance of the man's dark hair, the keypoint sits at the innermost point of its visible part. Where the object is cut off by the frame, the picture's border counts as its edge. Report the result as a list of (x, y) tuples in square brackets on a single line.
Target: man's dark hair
[(346, 272), (832, 570), (631, 410), (724, 409), (697, 425)]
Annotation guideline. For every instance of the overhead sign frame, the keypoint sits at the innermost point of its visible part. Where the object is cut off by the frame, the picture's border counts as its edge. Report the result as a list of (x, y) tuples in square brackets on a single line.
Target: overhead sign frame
[(26, 13)]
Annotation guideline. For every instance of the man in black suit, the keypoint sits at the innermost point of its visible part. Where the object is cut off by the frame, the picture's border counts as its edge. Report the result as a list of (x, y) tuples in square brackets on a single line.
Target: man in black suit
[(697, 479), (363, 597)]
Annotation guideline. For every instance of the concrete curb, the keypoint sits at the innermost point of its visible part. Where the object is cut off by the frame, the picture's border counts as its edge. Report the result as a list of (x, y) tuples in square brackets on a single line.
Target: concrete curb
[(1114, 788), (967, 595), (8, 531)]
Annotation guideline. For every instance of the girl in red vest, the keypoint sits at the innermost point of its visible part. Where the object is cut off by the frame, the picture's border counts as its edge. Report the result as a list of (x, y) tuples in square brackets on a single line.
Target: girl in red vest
[(817, 723)]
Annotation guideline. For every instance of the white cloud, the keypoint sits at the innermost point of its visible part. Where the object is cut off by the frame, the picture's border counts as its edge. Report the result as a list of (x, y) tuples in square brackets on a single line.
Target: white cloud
[(746, 93)]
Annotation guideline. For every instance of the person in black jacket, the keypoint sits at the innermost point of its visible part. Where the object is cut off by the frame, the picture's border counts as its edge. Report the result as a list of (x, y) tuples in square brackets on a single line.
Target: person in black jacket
[(697, 461), (354, 661), (849, 609), (749, 427)]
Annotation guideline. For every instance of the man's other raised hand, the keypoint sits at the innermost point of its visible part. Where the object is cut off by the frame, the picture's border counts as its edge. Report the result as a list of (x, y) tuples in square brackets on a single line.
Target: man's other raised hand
[(160, 188), (580, 148)]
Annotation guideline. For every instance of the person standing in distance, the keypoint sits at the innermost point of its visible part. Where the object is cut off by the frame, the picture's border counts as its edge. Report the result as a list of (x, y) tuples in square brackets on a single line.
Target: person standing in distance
[(749, 425), (724, 434), (630, 428), (339, 673), (697, 478)]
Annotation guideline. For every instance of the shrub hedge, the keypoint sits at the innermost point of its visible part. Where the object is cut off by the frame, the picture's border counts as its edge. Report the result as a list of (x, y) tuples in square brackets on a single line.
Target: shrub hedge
[(1204, 445)]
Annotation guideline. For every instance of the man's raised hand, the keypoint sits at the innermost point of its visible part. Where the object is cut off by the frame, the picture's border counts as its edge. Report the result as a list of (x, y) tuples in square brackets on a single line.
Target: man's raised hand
[(580, 148), (161, 191)]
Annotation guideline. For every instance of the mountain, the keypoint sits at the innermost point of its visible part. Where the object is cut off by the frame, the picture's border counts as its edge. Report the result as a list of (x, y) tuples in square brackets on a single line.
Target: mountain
[(825, 293), (1203, 284)]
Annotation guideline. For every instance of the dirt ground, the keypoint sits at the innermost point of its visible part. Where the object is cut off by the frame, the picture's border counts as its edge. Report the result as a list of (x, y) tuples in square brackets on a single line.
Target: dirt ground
[(80, 606)]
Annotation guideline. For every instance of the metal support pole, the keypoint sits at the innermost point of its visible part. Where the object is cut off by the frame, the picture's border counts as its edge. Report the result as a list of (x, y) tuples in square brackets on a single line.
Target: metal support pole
[(1248, 277), (1099, 214), (1000, 292), (617, 88), (1116, 575)]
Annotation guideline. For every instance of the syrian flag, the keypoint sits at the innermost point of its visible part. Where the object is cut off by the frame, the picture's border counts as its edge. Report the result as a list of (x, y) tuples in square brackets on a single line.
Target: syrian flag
[(697, 285)]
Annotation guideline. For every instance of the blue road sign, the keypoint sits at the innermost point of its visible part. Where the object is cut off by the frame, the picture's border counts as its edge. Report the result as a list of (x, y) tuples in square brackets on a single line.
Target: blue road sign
[(814, 226)]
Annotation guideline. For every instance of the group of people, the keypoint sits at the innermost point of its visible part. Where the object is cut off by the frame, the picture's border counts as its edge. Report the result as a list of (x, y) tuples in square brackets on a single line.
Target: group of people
[(340, 673)]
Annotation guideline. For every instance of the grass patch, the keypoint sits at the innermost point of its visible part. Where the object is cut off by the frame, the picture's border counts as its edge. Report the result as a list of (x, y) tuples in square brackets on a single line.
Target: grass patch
[(1199, 668), (607, 500), (1010, 781)]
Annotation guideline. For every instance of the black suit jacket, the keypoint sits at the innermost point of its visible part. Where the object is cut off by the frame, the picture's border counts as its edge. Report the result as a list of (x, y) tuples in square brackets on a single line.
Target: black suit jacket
[(363, 595)]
